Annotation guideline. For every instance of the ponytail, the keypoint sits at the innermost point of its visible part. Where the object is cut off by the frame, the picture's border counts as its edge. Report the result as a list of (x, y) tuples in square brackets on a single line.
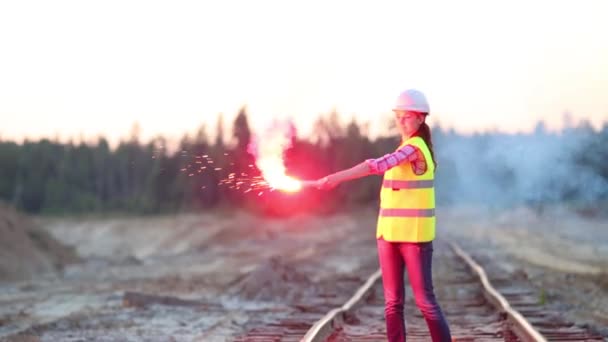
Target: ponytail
[(425, 133)]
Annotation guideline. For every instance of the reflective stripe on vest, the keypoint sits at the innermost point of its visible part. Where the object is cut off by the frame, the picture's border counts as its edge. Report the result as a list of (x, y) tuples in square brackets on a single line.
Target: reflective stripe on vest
[(400, 212), (413, 184)]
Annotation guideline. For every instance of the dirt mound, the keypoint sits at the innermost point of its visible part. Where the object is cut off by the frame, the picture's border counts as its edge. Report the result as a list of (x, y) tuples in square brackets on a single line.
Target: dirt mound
[(26, 250), (273, 280)]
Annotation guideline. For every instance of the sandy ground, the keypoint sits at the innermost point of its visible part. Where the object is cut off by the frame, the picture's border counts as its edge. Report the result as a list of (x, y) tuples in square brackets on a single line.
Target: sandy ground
[(234, 266), (238, 266)]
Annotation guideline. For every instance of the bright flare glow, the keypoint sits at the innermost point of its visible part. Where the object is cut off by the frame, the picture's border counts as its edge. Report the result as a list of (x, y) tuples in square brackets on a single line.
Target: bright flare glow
[(273, 171), (269, 152)]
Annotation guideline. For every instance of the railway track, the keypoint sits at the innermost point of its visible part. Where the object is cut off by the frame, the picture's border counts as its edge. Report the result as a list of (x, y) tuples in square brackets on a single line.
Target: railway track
[(479, 306)]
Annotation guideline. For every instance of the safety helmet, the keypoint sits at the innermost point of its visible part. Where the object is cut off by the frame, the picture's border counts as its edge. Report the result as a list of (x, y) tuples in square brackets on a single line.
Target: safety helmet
[(413, 100)]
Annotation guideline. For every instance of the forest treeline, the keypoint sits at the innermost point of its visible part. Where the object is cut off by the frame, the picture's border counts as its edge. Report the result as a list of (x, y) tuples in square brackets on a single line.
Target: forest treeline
[(49, 177)]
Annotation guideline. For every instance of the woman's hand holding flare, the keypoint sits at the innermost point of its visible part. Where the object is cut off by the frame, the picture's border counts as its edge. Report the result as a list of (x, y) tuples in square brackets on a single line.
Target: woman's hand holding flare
[(323, 183), (326, 183)]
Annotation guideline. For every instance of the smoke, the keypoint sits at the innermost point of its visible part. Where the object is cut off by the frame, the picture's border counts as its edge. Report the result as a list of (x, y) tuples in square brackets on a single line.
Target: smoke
[(269, 148), (273, 140), (541, 167)]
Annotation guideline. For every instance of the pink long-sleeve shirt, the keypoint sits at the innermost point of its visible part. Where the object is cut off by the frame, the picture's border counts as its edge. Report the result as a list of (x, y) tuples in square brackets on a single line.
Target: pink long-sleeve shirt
[(407, 153)]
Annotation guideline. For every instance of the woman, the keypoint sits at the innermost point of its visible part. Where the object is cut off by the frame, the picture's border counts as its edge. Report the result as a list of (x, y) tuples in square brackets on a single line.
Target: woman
[(406, 222)]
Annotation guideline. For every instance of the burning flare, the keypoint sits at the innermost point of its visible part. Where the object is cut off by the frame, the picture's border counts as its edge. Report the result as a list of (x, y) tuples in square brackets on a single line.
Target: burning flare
[(274, 173), (269, 156)]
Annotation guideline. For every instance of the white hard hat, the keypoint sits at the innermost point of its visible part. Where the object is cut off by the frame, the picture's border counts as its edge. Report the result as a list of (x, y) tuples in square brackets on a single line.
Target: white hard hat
[(413, 100)]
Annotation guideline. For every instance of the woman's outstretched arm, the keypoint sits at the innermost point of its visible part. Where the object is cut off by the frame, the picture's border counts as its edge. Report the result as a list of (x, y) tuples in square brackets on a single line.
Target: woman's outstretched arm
[(360, 170), (407, 153)]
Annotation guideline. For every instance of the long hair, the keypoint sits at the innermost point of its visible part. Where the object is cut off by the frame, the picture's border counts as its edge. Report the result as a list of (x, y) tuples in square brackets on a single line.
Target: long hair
[(425, 133)]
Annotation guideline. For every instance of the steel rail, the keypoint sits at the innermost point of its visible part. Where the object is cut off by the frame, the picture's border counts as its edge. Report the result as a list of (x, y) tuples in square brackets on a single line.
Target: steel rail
[(522, 328)]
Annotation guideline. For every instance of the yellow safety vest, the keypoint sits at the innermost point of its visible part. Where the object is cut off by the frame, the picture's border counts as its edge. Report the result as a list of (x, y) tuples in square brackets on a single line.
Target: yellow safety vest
[(407, 201)]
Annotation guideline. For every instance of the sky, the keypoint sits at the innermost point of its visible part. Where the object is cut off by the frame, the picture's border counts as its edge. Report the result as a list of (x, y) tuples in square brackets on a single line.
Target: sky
[(89, 68)]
